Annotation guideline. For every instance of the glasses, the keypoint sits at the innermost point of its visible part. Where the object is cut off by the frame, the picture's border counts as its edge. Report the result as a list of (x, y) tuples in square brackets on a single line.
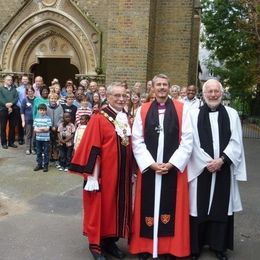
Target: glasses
[(215, 91), (119, 95)]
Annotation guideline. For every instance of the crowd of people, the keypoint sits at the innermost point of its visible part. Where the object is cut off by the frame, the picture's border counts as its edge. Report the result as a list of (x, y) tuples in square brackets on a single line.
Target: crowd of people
[(20, 112), (180, 157)]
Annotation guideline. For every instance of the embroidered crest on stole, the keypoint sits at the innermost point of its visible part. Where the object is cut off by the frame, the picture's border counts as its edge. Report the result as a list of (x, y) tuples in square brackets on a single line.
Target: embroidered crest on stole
[(165, 218), (149, 221)]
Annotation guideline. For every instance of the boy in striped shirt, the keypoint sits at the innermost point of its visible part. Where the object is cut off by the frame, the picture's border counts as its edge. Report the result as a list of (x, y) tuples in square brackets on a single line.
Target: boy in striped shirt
[(83, 109), (42, 124)]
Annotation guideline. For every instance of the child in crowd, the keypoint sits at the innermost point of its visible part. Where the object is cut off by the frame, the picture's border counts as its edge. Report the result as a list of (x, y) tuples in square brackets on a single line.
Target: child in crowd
[(134, 104), (83, 109), (70, 108), (27, 119), (96, 102), (78, 97), (68, 92), (42, 124), (64, 89), (55, 112), (42, 99), (66, 132), (80, 130)]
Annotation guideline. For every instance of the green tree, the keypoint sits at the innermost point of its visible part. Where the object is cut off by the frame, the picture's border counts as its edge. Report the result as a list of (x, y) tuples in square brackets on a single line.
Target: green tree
[(231, 32)]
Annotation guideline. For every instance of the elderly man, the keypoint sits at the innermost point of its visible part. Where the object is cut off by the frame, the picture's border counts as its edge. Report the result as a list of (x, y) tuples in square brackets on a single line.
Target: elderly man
[(8, 111), (217, 163), (38, 84), (93, 87), (162, 148), (104, 159)]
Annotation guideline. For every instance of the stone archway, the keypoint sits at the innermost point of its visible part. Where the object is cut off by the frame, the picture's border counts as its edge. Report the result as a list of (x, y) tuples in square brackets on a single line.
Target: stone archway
[(59, 30)]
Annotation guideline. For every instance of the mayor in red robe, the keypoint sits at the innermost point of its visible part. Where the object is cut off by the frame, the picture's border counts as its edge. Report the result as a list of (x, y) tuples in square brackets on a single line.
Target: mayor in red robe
[(104, 159), (162, 144)]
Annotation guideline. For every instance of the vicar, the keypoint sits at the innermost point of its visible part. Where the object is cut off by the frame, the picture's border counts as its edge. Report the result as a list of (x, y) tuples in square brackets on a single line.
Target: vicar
[(217, 164), (162, 147), (104, 159)]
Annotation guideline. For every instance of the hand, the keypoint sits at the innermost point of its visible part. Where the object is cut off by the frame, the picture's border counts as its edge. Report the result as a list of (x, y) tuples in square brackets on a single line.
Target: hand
[(215, 165), (155, 166), (23, 124), (167, 166), (161, 168)]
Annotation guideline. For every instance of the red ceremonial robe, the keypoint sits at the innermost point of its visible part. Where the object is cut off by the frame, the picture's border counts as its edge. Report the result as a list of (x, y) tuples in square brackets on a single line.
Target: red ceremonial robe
[(179, 244), (107, 211)]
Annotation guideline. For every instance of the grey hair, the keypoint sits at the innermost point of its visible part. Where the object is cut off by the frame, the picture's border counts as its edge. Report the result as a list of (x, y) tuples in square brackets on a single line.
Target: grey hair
[(178, 88), (209, 81), (8, 76), (112, 85)]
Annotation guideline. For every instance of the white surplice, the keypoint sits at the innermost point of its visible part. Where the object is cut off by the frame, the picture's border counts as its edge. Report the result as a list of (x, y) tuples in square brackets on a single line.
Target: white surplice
[(144, 159), (199, 159)]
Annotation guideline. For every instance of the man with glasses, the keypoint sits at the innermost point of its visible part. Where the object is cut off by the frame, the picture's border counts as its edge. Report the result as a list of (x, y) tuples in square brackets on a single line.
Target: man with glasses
[(217, 164), (8, 112), (104, 159)]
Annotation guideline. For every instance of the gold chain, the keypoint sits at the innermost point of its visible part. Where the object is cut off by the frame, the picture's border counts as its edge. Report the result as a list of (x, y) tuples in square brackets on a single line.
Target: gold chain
[(125, 138)]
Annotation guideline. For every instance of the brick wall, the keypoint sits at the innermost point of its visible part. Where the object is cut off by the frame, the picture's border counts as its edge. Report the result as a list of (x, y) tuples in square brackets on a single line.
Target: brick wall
[(143, 38), (140, 38), (127, 44), (172, 40)]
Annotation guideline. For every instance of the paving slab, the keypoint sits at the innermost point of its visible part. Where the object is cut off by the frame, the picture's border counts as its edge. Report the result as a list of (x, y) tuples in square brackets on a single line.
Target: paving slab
[(41, 213)]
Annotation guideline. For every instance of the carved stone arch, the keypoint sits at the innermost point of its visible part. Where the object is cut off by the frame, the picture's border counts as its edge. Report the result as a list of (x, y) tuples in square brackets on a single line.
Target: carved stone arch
[(40, 45), (74, 41)]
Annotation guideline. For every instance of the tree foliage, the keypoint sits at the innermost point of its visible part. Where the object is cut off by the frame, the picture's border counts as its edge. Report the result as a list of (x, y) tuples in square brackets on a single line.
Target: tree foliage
[(231, 32)]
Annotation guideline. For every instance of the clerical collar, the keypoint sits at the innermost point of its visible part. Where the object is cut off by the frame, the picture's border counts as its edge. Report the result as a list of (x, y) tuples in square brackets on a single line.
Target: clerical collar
[(213, 109), (161, 105)]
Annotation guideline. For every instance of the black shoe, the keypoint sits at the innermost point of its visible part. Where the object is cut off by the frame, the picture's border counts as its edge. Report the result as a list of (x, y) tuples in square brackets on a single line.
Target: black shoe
[(194, 257), (221, 255), (143, 256), (37, 168), (4, 146), (13, 145), (21, 142), (45, 168), (112, 249), (97, 256), (169, 257)]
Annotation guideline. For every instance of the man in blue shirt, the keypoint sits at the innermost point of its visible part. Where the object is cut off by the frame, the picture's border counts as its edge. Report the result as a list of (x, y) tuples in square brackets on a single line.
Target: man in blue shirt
[(21, 96)]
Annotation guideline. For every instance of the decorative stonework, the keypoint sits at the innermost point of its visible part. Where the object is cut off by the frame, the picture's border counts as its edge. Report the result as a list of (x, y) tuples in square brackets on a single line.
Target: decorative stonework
[(48, 44), (53, 44), (49, 2), (50, 32)]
